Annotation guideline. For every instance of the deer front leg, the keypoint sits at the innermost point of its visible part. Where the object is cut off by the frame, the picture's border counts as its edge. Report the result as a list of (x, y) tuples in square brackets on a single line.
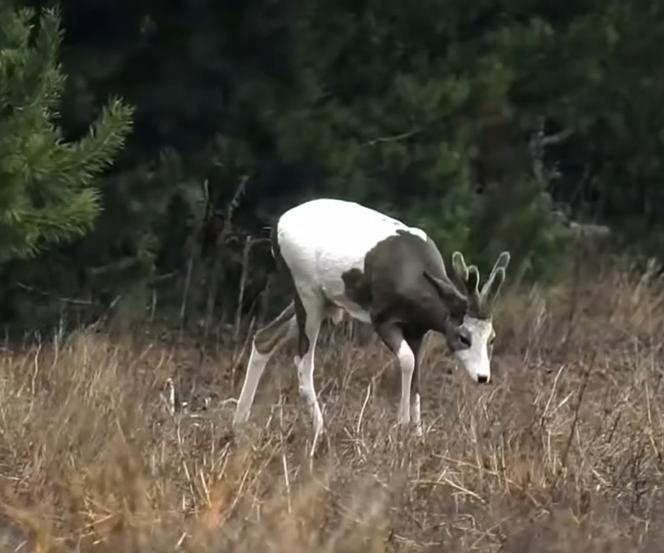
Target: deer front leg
[(415, 343), (407, 365), (393, 337)]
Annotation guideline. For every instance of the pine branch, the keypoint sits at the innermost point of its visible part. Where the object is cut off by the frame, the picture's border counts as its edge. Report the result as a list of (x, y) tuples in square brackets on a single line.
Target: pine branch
[(79, 163), (47, 194)]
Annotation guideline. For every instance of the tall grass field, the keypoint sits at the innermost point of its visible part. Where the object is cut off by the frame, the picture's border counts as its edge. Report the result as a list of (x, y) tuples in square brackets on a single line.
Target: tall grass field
[(120, 444)]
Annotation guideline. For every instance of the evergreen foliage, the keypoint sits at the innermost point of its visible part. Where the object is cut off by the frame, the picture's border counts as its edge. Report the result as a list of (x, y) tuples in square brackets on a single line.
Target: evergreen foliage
[(47, 193)]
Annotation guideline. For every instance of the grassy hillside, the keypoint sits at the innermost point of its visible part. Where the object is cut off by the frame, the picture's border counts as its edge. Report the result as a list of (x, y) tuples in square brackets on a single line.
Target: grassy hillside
[(563, 452)]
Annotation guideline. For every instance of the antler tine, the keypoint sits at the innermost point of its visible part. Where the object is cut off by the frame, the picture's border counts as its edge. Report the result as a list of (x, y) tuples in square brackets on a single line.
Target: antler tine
[(459, 266), (502, 262), (469, 276), (498, 272), (473, 281)]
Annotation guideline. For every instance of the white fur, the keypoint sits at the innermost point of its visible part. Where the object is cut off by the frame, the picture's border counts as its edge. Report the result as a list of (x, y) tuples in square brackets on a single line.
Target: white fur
[(475, 359), (322, 239), (255, 368), (407, 364), (415, 415)]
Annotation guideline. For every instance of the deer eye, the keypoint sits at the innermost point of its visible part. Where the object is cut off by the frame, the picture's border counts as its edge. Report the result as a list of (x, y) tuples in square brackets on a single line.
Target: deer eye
[(457, 318), (465, 340)]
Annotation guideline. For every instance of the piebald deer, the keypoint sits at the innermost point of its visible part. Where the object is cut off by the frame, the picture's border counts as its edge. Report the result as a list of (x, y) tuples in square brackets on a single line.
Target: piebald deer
[(343, 257)]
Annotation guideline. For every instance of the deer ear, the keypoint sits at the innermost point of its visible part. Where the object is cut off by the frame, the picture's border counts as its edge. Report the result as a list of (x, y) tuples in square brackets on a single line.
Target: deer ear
[(447, 291)]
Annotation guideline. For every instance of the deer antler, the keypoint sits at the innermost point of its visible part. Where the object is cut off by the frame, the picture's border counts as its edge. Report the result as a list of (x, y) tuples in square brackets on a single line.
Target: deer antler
[(480, 304)]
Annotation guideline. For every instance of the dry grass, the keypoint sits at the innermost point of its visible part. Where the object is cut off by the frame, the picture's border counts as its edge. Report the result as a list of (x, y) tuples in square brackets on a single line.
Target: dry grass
[(562, 453)]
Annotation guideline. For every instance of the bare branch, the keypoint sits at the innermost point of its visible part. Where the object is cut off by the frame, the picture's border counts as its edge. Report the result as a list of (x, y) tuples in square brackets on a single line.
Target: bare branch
[(216, 273), (538, 144), (246, 251), (73, 301), (556, 138), (393, 138)]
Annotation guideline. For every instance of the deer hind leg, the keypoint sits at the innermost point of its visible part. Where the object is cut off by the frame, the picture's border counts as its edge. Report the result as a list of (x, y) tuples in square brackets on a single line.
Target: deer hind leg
[(310, 311), (334, 314), (266, 342)]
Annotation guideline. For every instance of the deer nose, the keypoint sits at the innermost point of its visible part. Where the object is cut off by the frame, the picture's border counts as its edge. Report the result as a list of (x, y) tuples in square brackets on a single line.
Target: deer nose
[(482, 379)]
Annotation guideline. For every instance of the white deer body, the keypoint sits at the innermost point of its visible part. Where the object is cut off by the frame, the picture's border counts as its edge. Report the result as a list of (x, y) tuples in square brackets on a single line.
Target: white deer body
[(342, 256), (329, 238)]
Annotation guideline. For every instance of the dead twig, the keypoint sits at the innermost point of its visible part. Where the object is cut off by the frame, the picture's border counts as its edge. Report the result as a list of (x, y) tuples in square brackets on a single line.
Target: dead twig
[(246, 251), (570, 437), (216, 273)]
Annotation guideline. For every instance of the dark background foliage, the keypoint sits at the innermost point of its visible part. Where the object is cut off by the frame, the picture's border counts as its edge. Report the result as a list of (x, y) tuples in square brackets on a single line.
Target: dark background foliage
[(492, 124)]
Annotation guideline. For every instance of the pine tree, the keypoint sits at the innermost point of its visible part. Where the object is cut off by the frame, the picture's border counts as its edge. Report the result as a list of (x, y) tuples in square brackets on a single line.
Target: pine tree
[(47, 192)]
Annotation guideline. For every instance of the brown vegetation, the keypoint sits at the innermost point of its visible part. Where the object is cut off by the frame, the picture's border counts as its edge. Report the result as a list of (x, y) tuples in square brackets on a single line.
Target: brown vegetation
[(563, 452)]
